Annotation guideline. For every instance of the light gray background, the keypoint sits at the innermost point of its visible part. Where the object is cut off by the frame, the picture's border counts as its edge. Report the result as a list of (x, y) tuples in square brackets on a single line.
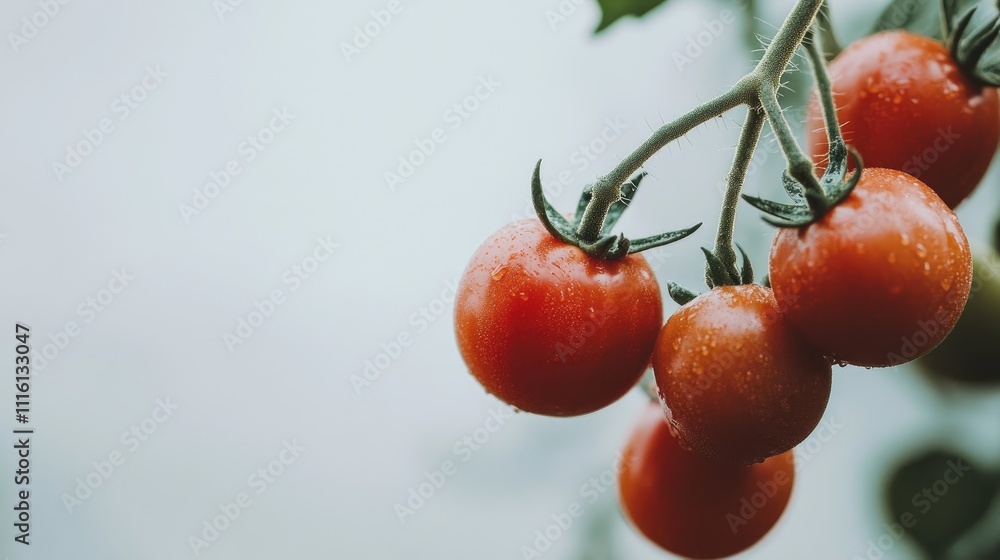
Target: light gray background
[(323, 176)]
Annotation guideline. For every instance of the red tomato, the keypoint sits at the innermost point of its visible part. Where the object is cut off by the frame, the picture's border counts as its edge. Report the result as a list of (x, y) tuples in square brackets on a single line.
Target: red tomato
[(904, 103), (695, 507), (550, 330), (737, 383), (879, 280)]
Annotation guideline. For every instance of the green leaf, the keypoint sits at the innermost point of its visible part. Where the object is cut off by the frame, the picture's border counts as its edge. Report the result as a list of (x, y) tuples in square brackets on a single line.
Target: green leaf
[(787, 214), (613, 10), (936, 497)]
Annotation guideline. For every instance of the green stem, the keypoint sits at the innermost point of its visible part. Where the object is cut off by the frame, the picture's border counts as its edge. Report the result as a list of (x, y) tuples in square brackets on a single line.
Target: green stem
[(787, 41), (750, 25), (800, 167), (831, 46), (607, 190), (835, 140), (745, 150), (750, 90)]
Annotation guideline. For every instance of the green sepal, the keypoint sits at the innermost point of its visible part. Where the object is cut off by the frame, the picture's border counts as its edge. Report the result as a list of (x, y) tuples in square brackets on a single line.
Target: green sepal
[(835, 187), (746, 270), (973, 44), (553, 221), (680, 294), (917, 17), (662, 239), (793, 189), (608, 247), (716, 274), (835, 190), (788, 215)]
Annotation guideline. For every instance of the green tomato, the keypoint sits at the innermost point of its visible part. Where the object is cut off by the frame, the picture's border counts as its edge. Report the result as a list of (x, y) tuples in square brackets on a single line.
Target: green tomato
[(971, 353)]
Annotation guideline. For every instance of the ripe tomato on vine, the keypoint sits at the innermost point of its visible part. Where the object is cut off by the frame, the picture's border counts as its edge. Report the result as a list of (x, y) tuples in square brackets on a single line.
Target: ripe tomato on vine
[(870, 266)]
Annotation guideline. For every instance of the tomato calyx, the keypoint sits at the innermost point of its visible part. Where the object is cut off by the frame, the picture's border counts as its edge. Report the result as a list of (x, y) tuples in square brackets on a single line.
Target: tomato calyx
[(716, 274), (811, 198), (809, 205), (975, 48), (607, 246)]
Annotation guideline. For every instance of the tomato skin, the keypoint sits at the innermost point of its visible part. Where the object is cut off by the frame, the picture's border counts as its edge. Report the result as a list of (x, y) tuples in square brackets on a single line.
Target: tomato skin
[(737, 383), (550, 330), (881, 279), (904, 103), (695, 507)]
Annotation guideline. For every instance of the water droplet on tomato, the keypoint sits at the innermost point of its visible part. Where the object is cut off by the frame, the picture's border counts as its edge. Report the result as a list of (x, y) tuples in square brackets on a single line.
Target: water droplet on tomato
[(524, 296), (921, 250), (497, 273), (946, 284), (904, 239)]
